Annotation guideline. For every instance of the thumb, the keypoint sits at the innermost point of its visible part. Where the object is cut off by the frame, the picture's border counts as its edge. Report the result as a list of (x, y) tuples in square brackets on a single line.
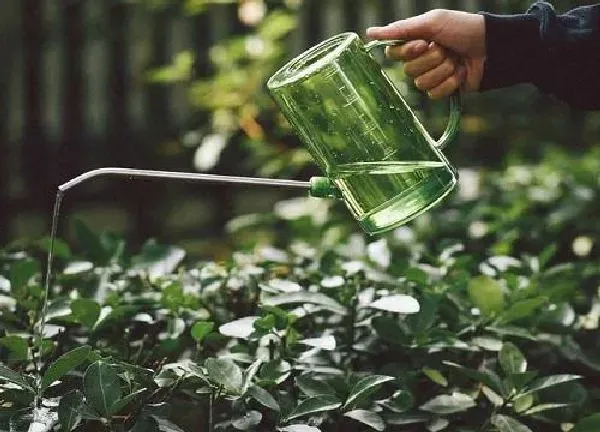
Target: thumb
[(417, 27)]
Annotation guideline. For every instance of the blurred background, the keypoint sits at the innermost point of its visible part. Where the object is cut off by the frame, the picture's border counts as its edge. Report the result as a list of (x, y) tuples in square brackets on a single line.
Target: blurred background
[(180, 85)]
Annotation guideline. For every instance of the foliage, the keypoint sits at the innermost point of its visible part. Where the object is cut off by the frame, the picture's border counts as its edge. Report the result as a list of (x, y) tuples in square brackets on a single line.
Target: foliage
[(324, 329)]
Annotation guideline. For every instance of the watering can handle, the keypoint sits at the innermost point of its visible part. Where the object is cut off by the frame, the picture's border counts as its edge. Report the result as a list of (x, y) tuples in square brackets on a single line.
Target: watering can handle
[(455, 101)]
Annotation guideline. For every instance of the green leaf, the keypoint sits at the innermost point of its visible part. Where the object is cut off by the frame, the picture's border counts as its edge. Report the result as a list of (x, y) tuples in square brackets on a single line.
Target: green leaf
[(511, 359), (250, 373), (388, 329), (11, 376), (276, 371), (18, 347), (519, 380), (522, 309), (588, 424), (85, 311), (313, 387), (522, 403), (101, 387), (282, 318), (369, 418), (448, 404), (486, 294), (544, 407), (21, 272), (248, 420), (485, 376), (299, 428), (69, 410), (417, 275), (550, 381), (509, 424), (201, 329), (546, 255), (173, 297), (122, 403), (436, 376), (64, 364), (397, 303), (265, 324), (314, 405), (241, 328), (263, 397), (425, 319), (226, 373), (400, 402), (364, 387), (61, 249), (319, 299)]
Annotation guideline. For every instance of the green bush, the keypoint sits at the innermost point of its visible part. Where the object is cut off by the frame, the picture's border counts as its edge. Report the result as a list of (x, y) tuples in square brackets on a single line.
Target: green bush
[(481, 315)]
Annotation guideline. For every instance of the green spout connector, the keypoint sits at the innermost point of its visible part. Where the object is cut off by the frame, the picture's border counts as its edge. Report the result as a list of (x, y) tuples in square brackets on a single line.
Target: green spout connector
[(323, 187)]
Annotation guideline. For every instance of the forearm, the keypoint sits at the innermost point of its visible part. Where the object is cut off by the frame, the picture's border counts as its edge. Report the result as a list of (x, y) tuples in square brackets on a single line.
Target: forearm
[(559, 54)]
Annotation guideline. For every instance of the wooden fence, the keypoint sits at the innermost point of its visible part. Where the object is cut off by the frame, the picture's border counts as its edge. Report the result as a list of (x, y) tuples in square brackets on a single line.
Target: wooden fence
[(72, 97)]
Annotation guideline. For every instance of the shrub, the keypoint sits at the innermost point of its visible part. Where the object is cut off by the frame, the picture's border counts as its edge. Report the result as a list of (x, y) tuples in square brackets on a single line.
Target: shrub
[(481, 315)]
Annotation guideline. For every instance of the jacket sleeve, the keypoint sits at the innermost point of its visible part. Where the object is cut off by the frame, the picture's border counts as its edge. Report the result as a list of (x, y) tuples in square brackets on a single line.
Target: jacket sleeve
[(559, 54)]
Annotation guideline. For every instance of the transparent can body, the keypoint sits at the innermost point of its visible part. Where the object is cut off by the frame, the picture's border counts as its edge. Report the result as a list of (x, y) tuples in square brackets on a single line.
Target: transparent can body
[(362, 134)]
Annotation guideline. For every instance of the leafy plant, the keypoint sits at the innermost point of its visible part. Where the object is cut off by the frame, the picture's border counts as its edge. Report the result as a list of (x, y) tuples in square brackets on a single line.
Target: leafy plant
[(427, 328)]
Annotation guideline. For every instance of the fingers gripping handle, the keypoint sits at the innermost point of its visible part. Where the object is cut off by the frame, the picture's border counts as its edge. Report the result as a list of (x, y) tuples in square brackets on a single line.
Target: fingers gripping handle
[(455, 101)]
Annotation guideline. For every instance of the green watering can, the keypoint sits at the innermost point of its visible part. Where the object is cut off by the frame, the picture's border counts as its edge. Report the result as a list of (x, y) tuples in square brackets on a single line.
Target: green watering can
[(362, 134)]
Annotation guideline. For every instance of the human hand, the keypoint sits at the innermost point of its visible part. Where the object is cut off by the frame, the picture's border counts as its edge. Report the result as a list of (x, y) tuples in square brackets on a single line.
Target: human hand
[(445, 49)]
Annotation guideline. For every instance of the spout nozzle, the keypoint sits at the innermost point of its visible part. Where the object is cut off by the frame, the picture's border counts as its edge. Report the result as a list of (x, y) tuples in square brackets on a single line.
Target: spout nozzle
[(322, 187)]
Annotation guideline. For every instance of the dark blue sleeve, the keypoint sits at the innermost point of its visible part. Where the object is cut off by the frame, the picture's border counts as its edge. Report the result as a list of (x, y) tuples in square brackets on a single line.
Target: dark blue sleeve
[(559, 54)]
